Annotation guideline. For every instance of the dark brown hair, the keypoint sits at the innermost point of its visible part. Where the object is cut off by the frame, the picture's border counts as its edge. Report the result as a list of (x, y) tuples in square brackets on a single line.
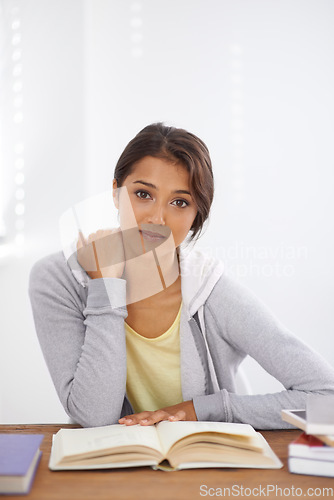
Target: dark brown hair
[(173, 144)]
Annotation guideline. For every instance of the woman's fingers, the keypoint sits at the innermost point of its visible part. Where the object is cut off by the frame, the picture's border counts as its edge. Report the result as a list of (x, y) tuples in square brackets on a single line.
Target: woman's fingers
[(179, 415), (81, 241), (153, 417), (135, 418), (101, 255)]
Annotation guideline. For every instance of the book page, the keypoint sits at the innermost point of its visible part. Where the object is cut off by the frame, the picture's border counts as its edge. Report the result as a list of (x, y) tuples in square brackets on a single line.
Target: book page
[(82, 441), (170, 432)]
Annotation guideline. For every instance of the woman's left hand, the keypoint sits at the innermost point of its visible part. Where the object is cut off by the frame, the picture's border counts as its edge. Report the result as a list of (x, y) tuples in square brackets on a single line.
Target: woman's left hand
[(181, 411)]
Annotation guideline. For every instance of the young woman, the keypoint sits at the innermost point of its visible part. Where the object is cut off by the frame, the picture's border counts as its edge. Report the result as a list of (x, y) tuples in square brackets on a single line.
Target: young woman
[(153, 332)]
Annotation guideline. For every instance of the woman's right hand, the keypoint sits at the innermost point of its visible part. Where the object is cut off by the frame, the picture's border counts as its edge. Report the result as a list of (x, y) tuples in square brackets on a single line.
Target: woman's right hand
[(101, 255)]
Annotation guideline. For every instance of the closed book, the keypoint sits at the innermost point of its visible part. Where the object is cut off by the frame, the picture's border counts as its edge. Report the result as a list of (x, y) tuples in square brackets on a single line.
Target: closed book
[(298, 418), (311, 467), (307, 446), (310, 455), (318, 416), (19, 458)]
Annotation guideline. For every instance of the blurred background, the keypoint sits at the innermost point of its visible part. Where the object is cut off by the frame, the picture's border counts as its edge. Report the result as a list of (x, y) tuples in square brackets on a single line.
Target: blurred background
[(253, 78)]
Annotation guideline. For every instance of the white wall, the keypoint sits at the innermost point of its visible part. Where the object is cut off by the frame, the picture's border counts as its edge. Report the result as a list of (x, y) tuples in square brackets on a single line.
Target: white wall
[(254, 79), (52, 135)]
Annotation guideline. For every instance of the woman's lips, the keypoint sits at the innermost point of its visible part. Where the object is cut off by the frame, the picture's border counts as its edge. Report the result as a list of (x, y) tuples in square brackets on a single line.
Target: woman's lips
[(152, 236)]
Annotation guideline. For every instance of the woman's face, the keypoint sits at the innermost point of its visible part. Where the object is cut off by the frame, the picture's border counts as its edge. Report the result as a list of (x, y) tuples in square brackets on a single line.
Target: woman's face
[(160, 197)]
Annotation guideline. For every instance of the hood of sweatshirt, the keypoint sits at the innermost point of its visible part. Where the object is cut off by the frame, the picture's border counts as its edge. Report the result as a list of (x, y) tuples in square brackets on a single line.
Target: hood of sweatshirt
[(199, 274)]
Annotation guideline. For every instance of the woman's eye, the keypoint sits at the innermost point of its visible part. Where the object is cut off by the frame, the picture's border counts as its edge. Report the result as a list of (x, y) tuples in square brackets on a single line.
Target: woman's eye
[(180, 203), (143, 195)]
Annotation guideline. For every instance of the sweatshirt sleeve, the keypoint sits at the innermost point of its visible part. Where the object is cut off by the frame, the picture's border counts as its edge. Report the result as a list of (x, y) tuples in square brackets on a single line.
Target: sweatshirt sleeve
[(245, 323), (83, 344)]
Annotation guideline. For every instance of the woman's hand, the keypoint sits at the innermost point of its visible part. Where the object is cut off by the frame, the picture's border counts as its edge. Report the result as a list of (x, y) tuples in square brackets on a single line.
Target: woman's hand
[(181, 411), (101, 255)]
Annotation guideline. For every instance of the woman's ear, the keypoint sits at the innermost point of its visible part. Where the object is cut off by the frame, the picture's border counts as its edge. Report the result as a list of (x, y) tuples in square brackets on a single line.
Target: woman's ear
[(115, 193)]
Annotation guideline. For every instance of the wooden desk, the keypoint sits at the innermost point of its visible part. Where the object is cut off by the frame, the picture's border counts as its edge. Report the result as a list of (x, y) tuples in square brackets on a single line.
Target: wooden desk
[(144, 483)]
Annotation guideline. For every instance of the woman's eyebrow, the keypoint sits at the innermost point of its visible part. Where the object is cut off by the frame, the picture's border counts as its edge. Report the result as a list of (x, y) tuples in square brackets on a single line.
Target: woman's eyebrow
[(182, 191), (148, 184)]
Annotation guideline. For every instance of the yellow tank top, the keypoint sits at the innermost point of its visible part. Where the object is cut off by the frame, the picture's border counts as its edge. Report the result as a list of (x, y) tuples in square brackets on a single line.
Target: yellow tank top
[(153, 369)]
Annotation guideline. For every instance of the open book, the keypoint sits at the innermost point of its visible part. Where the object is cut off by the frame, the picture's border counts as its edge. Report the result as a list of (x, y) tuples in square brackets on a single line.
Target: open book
[(166, 446)]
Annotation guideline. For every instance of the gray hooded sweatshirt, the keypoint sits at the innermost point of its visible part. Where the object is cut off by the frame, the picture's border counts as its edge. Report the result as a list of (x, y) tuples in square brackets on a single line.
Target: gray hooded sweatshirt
[(80, 326)]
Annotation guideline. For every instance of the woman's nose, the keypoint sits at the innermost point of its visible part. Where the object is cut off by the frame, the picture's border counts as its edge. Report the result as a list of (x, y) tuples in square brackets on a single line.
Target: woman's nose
[(157, 216)]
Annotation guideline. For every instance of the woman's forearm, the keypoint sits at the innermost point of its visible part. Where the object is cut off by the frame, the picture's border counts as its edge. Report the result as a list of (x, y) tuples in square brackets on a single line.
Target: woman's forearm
[(84, 348)]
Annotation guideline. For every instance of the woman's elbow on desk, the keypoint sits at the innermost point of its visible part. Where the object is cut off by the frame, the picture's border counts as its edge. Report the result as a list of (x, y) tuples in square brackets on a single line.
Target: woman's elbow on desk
[(91, 417), (89, 413)]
